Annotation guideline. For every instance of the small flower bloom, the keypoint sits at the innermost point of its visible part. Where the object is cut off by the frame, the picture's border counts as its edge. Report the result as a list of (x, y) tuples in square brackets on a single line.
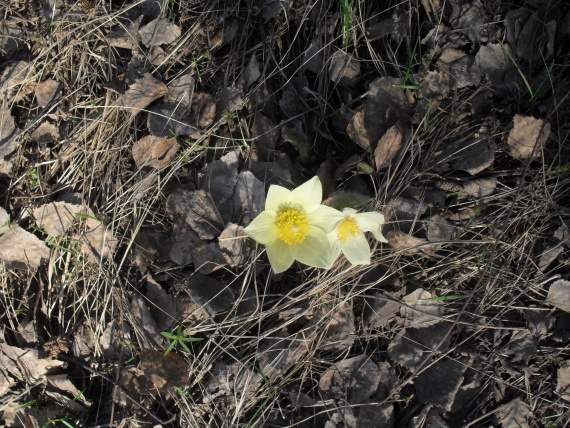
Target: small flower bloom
[(294, 226), (348, 237)]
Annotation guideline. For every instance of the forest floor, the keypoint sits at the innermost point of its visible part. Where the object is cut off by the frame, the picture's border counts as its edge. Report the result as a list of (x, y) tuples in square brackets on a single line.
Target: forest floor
[(139, 138)]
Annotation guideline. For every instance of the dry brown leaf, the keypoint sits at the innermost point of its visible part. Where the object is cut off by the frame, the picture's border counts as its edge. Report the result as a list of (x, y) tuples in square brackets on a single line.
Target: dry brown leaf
[(440, 230), (56, 217), (46, 91), (559, 295), (340, 328), (388, 147), (17, 80), (181, 90), (563, 382), (208, 258), (184, 243), (248, 198), (98, 241), (26, 363), (251, 72), (225, 34), (221, 176), (8, 140), (162, 371), (549, 256), (313, 59), (46, 133), (480, 187), (113, 338), (232, 380), (162, 305), (141, 93), (528, 137), (75, 400), (228, 100), (460, 66), (522, 346), (155, 152), (234, 245), (540, 322), (439, 383), (343, 68), (126, 37), (170, 119), (21, 250), (159, 32), (412, 345), (380, 309), (407, 244), (436, 85), (12, 38), (419, 311), (148, 331), (200, 214), (563, 235), (205, 300), (494, 62), (514, 414)]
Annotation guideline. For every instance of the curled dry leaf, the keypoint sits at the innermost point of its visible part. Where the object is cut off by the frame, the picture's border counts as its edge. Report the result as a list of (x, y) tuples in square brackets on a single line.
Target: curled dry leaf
[(155, 152), (343, 68), (21, 250), (46, 91), (141, 93), (56, 217), (159, 32), (46, 133), (528, 137), (559, 295), (388, 147), (17, 80)]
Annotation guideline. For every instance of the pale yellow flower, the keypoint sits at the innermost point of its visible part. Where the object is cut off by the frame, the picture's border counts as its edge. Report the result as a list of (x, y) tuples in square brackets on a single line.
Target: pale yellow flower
[(349, 238), (294, 226)]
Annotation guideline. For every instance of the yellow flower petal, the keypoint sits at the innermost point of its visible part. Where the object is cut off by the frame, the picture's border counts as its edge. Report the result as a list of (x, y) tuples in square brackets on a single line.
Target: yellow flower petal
[(280, 256), (356, 250), (371, 222), (276, 195), (325, 218), (309, 194), (315, 250), (262, 228)]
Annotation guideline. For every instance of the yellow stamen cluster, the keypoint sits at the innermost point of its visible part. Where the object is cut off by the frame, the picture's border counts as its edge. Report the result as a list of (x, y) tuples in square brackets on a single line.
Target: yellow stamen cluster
[(347, 230), (292, 225)]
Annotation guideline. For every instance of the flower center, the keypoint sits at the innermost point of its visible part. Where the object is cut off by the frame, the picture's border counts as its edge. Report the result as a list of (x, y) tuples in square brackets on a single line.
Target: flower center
[(347, 230), (292, 225)]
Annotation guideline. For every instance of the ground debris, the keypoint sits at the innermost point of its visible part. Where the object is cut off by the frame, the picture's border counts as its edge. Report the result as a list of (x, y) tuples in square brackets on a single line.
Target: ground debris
[(141, 93), (46, 133), (528, 137), (559, 295), (420, 310), (159, 32), (20, 249), (155, 152), (126, 36), (514, 414), (46, 91), (343, 68), (388, 146), (8, 139), (17, 80), (439, 383), (563, 382)]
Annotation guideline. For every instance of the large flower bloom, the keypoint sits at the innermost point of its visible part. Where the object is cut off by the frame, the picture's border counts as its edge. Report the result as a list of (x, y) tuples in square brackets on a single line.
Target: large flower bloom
[(349, 238), (294, 226)]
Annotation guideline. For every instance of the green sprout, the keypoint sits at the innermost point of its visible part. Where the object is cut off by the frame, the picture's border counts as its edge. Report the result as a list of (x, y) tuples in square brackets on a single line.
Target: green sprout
[(179, 338)]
